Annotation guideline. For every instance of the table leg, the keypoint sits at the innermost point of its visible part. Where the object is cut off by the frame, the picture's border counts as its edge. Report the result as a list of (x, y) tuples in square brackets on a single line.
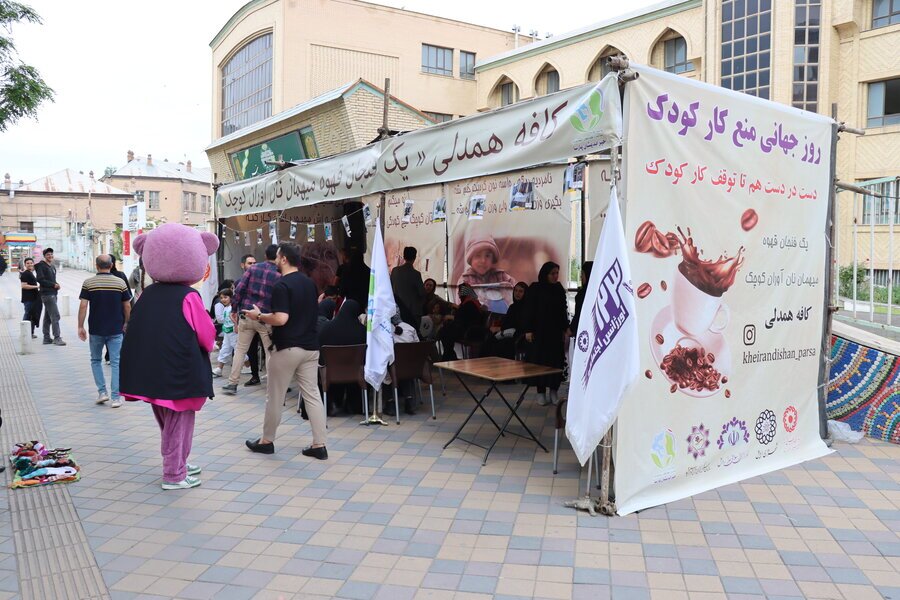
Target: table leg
[(478, 404), (514, 413), (492, 387)]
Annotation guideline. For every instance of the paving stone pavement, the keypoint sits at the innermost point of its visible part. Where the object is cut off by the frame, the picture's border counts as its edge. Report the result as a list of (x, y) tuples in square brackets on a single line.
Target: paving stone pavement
[(391, 515)]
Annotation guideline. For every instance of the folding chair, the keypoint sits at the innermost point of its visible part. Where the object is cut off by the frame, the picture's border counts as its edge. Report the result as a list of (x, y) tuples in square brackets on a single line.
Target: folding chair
[(343, 364), (411, 362)]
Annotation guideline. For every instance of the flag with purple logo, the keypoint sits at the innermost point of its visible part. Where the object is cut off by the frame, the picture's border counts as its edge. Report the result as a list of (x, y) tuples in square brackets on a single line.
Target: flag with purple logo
[(606, 358)]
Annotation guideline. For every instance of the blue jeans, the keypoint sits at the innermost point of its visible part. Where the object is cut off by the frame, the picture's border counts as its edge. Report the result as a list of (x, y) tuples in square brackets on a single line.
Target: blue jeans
[(114, 344)]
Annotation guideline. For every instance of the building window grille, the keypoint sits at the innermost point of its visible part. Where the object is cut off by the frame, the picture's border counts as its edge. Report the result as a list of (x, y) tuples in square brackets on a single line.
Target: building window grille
[(807, 20), (676, 56), (247, 85), (746, 61)]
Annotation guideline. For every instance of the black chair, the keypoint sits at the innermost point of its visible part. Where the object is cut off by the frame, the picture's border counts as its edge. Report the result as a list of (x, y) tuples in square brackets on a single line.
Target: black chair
[(411, 361), (343, 364)]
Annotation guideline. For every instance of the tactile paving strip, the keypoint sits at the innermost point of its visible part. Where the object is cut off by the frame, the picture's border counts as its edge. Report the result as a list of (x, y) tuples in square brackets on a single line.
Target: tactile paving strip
[(45, 527)]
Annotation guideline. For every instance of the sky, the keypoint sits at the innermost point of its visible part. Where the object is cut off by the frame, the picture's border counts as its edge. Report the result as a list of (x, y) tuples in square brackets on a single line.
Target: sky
[(137, 75)]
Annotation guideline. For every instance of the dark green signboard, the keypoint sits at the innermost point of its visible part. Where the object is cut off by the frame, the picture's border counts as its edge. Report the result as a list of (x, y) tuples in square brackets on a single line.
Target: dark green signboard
[(251, 161)]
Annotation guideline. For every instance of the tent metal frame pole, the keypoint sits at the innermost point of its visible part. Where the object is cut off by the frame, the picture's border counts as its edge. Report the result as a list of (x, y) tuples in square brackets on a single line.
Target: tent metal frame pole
[(829, 306)]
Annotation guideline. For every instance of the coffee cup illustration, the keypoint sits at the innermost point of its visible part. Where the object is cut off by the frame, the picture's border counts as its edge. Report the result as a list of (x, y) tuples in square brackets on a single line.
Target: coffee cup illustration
[(694, 311)]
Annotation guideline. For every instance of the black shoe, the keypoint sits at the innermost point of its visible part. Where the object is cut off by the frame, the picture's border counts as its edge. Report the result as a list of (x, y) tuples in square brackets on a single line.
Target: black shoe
[(256, 446), (252, 381), (47, 341), (409, 406), (389, 409), (321, 453)]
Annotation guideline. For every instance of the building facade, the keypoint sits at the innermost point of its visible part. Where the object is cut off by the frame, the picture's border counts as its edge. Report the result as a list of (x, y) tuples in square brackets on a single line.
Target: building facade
[(172, 192), (68, 211), (836, 58), (288, 68)]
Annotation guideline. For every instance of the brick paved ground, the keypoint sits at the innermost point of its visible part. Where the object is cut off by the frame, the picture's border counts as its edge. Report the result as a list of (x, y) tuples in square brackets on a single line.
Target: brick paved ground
[(392, 515)]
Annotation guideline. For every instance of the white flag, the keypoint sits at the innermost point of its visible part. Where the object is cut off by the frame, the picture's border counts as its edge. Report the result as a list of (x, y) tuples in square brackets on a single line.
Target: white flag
[(606, 358), (380, 309)]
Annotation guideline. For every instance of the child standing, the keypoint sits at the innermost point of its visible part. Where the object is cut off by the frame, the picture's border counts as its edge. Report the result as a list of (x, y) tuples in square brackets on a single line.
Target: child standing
[(229, 335)]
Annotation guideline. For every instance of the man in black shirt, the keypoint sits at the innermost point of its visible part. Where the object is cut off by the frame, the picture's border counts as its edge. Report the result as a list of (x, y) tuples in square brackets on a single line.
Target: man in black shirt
[(31, 299), (295, 353), (46, 277)]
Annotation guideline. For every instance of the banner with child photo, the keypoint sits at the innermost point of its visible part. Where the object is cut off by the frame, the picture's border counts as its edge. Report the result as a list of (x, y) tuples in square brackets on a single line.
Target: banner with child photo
[(502, 228)]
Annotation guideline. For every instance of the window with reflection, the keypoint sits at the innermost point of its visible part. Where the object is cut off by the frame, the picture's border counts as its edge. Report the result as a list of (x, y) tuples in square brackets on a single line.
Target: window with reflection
[(884, 103), (746, 60), (676, 56), (247, 85), (885, 12), (807, 20), (509, 93), (548, 81)]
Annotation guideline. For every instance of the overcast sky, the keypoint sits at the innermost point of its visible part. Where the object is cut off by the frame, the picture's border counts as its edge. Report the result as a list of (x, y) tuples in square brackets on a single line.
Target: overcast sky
[(136, 75)]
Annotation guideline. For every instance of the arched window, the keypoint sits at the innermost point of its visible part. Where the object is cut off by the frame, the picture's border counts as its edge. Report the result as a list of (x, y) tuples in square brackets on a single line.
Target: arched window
[(600, 68), (506, 92), (247, 85), (670, 53), (547, 81)]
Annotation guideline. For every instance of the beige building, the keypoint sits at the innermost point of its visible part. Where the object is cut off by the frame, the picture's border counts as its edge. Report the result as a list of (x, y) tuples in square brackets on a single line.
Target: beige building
[(68, 211), (836, 58), (173, 192), (304, 77)]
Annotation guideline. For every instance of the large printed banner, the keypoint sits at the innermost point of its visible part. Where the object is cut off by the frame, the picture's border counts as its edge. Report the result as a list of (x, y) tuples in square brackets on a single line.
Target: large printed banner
[(573, 122), (726, 212), (503, 228), (416, 217)]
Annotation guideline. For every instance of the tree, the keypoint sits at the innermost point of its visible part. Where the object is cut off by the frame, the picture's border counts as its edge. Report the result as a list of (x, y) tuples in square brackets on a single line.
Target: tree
[(21, 88)]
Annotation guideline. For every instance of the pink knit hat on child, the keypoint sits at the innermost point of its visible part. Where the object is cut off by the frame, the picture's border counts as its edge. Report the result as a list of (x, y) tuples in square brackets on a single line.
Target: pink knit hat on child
[(477, 241)]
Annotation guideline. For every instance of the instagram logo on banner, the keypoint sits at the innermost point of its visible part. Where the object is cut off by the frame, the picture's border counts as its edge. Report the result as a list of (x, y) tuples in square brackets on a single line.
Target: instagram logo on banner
[(749, 335)]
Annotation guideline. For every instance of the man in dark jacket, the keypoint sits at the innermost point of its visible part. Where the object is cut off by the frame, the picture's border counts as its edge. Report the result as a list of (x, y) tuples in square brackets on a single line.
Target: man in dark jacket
[(409, 291), (46, 277)]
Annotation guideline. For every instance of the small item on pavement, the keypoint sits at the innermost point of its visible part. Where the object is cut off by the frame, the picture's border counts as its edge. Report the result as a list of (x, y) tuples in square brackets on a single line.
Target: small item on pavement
[(33, 464)]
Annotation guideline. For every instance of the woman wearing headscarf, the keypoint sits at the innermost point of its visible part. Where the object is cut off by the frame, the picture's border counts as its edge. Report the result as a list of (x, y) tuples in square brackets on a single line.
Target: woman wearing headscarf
[(353, 280), (326, 312), (503, 338), (467, 324), (344, 330), (546, 322), (579, 295)]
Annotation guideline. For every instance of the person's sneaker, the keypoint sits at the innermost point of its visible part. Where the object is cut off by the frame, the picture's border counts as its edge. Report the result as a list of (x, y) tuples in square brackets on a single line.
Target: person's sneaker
[(34, 337), (58, 342), (257, 446), (217, 372), (47, 341), (246, 370), (116, 403), (102, 397), (193, 469), (186, 483), (544, 399), (230, 389), (320, 453), (252, 381)]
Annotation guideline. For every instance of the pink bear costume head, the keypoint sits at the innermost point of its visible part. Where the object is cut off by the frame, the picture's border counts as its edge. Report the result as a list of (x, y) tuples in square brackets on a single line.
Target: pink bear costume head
[(174, 253)]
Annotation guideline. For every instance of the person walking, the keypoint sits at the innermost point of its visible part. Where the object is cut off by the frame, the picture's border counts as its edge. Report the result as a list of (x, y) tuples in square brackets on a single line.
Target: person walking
[(229, 336), (296, 351), (31, 298), (109, 300), (45, 273), (545, 324), (252, 359), (409, 291), (254, 289)]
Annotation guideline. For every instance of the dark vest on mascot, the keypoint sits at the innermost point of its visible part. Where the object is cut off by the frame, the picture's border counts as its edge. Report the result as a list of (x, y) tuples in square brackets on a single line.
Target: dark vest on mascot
[(161, 357)]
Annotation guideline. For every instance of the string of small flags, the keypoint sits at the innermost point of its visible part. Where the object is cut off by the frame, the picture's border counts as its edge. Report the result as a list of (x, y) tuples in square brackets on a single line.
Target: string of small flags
[(327, 227)]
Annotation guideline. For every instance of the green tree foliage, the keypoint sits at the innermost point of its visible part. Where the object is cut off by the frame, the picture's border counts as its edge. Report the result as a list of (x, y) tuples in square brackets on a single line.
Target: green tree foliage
[(21, 88)]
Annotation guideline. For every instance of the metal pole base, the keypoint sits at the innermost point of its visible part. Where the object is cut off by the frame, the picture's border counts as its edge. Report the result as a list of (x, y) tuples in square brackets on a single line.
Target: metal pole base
[(373, 420)]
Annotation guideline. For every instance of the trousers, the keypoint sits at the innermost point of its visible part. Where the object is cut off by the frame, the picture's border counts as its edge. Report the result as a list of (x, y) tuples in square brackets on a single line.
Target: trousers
[(303, 366), (247, 329), (177, 434), (51, 316)]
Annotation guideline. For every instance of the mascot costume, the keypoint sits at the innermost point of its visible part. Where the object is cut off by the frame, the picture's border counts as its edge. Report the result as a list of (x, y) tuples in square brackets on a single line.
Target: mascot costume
[(165, 354)]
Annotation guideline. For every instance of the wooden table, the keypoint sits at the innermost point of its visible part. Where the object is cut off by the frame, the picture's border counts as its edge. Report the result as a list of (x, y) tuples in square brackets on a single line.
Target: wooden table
[(496, 370)]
